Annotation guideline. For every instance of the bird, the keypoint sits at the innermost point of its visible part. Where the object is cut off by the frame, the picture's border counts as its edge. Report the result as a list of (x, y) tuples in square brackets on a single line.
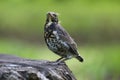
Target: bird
[(59, 40)]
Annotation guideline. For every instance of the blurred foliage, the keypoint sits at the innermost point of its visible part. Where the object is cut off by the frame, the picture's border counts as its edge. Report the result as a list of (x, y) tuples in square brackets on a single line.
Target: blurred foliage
[(101, 61), (88, 21)]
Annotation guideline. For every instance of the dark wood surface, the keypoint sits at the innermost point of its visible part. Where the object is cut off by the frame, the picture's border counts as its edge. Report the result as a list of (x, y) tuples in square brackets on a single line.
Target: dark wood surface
[(16, 68)]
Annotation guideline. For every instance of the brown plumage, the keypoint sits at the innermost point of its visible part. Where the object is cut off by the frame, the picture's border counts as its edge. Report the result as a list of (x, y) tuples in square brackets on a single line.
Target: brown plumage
[(58, 39)]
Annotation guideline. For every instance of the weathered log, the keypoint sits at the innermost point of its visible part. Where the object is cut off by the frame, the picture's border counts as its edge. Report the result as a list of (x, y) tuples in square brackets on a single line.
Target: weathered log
[(16, 68)]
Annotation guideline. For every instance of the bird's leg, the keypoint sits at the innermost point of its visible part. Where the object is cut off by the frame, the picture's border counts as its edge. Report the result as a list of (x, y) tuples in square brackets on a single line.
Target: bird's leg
[(64, 59), (59, 60)]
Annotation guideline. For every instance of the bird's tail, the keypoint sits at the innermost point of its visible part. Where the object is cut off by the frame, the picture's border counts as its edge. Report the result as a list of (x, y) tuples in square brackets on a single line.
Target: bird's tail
[(80, 58)]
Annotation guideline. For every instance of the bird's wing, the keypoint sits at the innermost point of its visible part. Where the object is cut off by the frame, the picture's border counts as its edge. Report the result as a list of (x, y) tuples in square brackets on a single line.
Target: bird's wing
[(64, 35)]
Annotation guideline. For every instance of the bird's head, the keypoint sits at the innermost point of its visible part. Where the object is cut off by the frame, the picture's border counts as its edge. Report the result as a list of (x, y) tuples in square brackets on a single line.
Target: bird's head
[(52, 16)]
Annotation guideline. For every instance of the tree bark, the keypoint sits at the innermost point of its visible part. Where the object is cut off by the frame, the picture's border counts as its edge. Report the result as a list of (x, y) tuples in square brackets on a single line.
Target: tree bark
[(16, 68)]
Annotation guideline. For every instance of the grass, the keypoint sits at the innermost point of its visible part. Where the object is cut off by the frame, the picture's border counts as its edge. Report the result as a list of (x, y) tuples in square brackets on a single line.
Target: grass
[(101, 61)]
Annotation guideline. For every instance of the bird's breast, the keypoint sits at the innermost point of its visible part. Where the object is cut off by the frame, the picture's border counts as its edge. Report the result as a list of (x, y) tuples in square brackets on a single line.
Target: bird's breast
[(53, 40), (56, 45)]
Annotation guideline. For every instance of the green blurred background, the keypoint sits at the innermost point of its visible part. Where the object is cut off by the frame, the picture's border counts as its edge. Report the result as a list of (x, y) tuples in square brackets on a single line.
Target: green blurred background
[(94, 24)]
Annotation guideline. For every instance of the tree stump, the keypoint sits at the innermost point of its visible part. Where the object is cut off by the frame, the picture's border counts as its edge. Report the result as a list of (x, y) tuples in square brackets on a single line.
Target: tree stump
[(16, 68)]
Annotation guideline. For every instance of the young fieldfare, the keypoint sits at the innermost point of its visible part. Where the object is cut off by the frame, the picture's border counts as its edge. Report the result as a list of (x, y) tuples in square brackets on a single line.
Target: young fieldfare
[(58, 39)]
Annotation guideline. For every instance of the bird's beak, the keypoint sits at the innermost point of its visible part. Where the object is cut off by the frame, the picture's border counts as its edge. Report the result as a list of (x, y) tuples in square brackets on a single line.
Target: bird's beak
[(50, 15)]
